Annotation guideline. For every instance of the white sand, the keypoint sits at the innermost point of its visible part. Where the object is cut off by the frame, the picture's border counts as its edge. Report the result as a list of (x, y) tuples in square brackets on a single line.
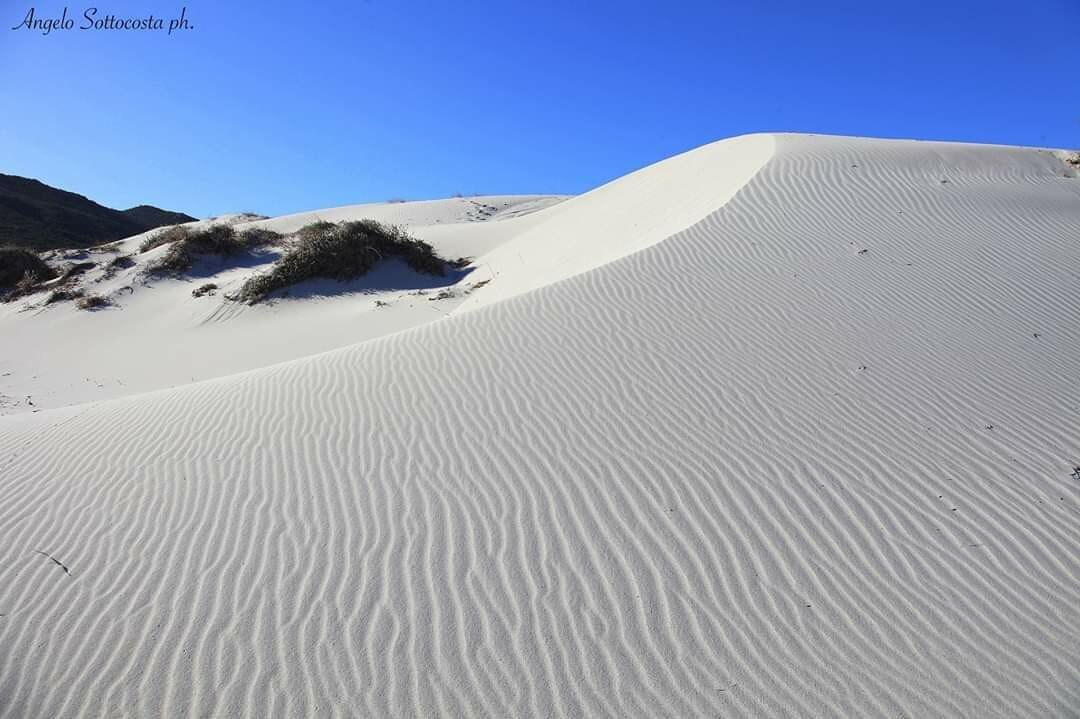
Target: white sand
[(764, 429)]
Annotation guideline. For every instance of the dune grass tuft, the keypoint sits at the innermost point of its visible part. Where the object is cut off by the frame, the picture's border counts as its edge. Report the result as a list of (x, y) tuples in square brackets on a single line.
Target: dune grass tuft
[(260, 237), (92, 302), (21, 270), (222, 240), (63, 295), (341, 251), (163, 237)]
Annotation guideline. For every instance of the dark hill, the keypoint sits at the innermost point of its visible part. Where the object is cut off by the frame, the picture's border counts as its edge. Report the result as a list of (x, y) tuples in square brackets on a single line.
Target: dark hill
[(151, 216), (35, 215)]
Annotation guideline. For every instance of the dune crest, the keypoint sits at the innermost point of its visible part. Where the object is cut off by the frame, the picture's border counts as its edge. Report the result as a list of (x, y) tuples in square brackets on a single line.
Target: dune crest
[(623, 216)]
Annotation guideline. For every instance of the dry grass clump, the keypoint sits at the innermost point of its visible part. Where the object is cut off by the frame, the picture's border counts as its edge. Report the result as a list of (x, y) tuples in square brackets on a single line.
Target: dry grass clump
[(221, 240), (76, 269), (186, 245), (260, 237), (63, 295), (120, 262), (341, 251), (24, 286), (21, 270), (15, 262), (208, 289), (92, 302), (164, 237)]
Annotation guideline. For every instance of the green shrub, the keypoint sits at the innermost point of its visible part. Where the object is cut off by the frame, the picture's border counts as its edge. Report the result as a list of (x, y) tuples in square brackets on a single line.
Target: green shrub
[(341, 251), (23, 267)]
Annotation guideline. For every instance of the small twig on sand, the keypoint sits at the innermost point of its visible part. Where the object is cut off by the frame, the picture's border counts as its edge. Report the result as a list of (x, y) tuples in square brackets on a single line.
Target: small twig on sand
[(55, 561)]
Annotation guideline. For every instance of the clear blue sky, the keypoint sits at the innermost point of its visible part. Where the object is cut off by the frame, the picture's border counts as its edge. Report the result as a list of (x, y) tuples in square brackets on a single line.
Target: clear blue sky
[(277, 107)]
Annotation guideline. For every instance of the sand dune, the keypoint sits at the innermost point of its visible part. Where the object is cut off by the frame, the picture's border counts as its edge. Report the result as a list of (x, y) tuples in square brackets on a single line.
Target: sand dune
[(157, 335), (807, 454)]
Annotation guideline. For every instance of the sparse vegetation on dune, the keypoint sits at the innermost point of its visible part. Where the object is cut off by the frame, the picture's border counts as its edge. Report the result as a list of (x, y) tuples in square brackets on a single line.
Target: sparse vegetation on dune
[(76, 269), (15, 262), (180, 256), (23, 287), (21, 270), (63, 295), (186, 245), (113, 247), (121, 262), (260, 237), (163, 237), (320, 250), (341, 251), (92, 302)]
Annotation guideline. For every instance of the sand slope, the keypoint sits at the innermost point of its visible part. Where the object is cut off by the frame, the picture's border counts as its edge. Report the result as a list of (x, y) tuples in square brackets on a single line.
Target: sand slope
[(806, 457), (157, 335)]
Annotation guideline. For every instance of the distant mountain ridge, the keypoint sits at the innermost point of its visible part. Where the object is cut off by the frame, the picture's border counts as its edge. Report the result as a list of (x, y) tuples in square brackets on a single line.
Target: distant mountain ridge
[(41, 217)]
